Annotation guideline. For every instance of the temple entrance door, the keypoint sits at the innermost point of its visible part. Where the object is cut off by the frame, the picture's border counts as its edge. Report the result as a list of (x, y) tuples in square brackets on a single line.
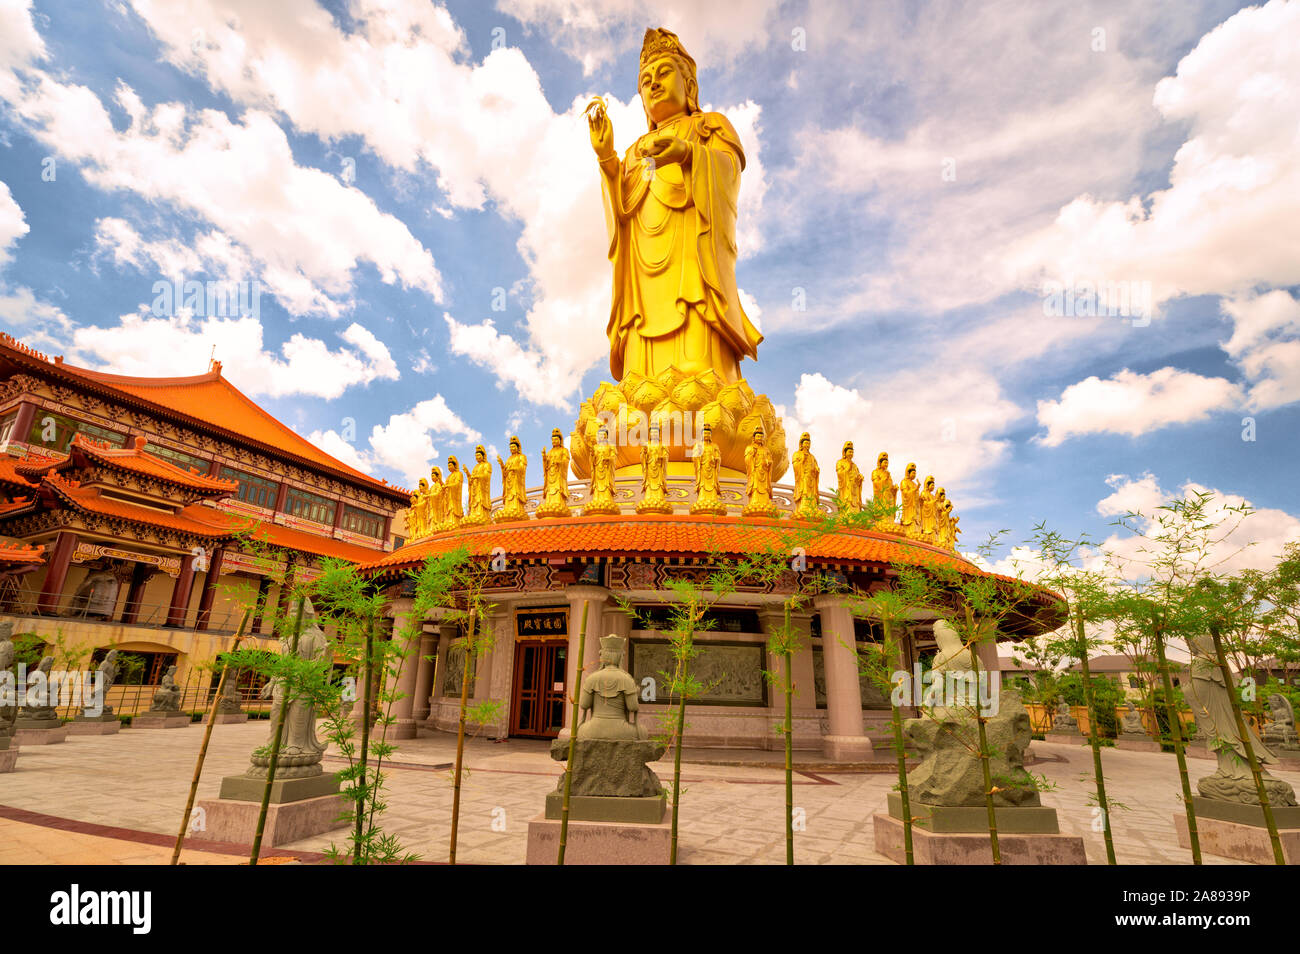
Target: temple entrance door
[(537, 707)]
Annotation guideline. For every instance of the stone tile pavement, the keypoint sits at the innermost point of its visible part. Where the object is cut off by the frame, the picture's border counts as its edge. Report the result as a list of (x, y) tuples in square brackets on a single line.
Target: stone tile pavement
[(117, 800)]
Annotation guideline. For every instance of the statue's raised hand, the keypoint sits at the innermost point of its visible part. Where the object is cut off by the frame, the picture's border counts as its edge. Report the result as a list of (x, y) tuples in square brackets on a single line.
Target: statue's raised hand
[(601, 129)]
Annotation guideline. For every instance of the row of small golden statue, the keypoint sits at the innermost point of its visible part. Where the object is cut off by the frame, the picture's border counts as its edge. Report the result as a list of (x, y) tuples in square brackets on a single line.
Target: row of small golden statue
[(925, 513)]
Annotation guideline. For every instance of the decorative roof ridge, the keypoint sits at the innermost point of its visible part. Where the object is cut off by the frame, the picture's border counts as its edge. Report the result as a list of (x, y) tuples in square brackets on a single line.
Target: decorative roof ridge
[(106, 453)]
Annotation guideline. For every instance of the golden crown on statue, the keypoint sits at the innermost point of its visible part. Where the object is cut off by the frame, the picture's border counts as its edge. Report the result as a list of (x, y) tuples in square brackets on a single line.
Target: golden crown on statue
[(660, 42)]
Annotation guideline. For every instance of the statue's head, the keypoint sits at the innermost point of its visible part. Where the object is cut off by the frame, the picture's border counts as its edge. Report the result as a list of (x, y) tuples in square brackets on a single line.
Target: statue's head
[(514, 444), (436, 476), (480, 454), (424, 486), (847, 451), (556, 437), (882, 460), (666, 78), (911, 471), (929, 483), (453, 464), (758, 436), (110, 657), (611, 649), (805, 441), (942, 495), (708, 433), (602, 435)]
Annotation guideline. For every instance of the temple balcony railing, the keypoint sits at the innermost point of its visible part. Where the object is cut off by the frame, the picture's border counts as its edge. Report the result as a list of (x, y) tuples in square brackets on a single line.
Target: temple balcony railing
[(148, 616)]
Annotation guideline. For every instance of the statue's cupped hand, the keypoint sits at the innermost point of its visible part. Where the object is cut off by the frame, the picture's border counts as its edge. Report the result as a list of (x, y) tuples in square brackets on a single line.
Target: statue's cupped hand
[(601, 129), (666, 149)]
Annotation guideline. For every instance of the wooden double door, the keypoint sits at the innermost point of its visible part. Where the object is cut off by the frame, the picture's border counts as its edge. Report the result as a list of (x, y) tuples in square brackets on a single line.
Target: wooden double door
[(537, 706)]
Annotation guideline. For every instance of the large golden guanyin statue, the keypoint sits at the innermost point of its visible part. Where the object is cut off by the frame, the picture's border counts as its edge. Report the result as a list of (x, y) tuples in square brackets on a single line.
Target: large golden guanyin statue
[(677, 329)]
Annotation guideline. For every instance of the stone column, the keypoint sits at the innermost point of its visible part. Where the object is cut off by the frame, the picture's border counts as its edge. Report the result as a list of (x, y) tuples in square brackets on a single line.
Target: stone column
[(424, 677), (446, 633), (180, 604), (805, 688), (47, 603), (403, 708), (595, 598), (845, 739)]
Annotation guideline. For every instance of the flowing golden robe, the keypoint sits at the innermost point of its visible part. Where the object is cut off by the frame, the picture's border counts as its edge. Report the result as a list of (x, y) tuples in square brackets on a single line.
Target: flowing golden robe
[(910, 517), (850, 484), (480, 493), (453, 493), (555, 492), (708, 487), (514, 494), (807, 475), (654, 479), (602, 480), (673, 247)]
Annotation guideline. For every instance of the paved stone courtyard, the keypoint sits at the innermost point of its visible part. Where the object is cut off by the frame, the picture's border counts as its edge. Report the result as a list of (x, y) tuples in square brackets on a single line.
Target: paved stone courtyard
[(117, 800)]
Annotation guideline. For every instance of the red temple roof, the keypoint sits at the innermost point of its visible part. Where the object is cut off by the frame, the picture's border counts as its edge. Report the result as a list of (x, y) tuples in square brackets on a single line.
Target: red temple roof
[(207, 399), (195, 519)]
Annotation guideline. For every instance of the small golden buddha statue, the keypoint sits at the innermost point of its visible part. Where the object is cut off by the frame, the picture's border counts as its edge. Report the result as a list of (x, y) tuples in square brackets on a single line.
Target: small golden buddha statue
[(883, 490), (555, 484), (436, 502), (415, 528), (928, 523), (909, 518), (453, 494), (480, 490), (807, 476), (941, 533), (603, 464), (654, 475), (849, 480), (758, 478), (708, 468), (953, 529), (514, 476)]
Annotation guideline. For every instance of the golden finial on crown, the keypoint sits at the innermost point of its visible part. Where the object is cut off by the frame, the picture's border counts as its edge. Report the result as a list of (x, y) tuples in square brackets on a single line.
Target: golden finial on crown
[(660, 42)]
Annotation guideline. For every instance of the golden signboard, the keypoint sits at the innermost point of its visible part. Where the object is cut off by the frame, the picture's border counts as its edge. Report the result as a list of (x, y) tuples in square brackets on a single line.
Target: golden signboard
[(549, 622)]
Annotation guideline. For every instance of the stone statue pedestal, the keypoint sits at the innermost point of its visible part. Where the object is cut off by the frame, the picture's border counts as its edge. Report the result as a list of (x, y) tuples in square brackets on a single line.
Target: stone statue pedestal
[(943, 835), (104, 724), (227, 718), (599, 842), (1065, 738), (1236, 830), (8, 754), (155, 719), (1137, 743), (299, 808), (39, 730)]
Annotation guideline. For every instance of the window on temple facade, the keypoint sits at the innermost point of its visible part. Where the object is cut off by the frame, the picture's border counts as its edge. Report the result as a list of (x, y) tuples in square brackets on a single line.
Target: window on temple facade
[(7, 428), (55, 432), (363, 522), (307, 506), (255, 490), (179, 458)]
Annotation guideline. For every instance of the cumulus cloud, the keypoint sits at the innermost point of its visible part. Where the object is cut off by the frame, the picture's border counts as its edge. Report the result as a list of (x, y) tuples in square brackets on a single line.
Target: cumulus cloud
[(141, 344), (948, 425), (406, 443), (1134, 404), (1253, 541)]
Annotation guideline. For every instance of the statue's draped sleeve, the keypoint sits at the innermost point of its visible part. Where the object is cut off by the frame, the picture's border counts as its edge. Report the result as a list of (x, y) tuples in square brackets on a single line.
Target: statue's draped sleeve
[(678, 225)]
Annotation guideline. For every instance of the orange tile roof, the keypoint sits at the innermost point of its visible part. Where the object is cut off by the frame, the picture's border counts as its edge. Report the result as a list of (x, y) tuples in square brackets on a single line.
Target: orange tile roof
[(208, 399), (18, 503), (665, 536), (9, 474), (140, 461), (15, 552), (195, 519), (290, 539)]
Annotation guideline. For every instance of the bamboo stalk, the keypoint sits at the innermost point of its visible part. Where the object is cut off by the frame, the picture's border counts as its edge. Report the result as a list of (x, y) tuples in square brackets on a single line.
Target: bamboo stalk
[(366, 699), (275, 746), (1176, 724), (1279, 856), (1094, 740), (203, 749), (900, 753), (460, 736), (573, 735)]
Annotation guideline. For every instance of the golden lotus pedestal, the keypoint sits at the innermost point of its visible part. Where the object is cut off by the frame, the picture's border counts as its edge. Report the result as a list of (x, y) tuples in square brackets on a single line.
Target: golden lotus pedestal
[(681, 405)]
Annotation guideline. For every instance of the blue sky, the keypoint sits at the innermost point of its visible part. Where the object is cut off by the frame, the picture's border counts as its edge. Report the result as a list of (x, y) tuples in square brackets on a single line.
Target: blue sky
[(921, 171)]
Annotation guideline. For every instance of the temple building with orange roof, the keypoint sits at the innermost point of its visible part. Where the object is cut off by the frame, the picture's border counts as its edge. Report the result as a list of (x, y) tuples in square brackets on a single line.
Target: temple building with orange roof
[(144, 514)]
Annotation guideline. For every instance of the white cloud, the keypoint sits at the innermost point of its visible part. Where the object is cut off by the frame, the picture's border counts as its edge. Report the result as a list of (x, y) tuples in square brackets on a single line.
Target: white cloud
[(1251, 542), (947, 425), (307, 231), (141, 344), (13, 224), (1230, 219), (1134, 404), (1266, 343), (406, 443), (596, 31)]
